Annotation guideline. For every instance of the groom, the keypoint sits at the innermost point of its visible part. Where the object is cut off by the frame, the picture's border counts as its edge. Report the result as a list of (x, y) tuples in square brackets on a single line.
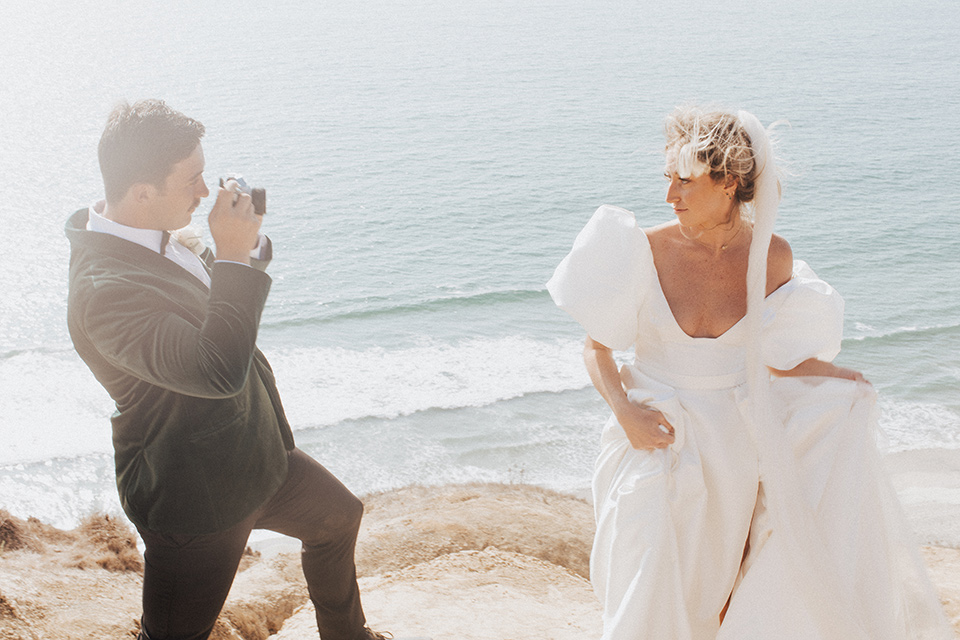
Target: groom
[(203, 451)]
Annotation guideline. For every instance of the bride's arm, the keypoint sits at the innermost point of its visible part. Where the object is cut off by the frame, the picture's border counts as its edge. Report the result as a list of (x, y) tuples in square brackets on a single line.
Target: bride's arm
[(814, 367), (639, 422)]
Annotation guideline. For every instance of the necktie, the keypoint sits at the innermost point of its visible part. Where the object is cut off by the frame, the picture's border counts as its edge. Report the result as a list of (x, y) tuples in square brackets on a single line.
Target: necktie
[(164, 239)]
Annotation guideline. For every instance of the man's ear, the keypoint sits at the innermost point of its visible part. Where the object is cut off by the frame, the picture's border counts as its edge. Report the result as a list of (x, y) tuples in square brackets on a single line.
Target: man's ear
[(142, 192)]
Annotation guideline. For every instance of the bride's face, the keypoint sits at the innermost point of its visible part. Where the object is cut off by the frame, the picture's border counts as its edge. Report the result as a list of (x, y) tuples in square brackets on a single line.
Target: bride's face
[(699, 201)]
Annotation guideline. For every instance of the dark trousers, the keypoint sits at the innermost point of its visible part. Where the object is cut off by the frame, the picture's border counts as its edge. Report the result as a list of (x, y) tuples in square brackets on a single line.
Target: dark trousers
[(186, 578)]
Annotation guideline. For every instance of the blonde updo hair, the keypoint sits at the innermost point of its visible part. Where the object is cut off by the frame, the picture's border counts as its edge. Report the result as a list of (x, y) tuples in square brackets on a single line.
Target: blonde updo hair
[(713, 142)]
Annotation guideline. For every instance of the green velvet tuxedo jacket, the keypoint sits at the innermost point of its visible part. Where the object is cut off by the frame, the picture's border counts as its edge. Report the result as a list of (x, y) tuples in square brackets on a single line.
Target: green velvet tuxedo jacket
[(199, 434)]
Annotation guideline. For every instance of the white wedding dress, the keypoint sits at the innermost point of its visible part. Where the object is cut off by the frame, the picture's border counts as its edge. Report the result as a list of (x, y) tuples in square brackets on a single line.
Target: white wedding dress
[(672, 524)]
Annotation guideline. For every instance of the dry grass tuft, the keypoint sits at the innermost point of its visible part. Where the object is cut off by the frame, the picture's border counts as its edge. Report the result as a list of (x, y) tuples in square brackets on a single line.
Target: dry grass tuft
[(11, 533), (112, 545), (16, 534)]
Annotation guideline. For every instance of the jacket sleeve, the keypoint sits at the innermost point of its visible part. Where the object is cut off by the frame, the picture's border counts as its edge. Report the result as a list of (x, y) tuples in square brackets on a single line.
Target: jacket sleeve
[(147, 333), (264, 254)]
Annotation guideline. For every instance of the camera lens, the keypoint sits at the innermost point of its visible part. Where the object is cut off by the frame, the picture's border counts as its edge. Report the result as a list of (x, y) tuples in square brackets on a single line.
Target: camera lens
[(259, 198)]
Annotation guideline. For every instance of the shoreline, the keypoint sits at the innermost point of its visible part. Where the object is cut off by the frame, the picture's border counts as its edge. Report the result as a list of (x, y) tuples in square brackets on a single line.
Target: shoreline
[(63, 490)]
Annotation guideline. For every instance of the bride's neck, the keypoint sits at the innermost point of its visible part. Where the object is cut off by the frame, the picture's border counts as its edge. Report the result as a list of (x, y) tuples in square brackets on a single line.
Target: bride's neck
[(718, 239)]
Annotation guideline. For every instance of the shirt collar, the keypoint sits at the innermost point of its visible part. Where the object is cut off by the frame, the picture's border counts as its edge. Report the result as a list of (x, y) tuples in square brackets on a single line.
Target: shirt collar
[(148, 238)]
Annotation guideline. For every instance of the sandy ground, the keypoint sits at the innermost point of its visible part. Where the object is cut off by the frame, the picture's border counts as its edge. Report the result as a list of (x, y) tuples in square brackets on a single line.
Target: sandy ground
[(482, 595), (478, 562)]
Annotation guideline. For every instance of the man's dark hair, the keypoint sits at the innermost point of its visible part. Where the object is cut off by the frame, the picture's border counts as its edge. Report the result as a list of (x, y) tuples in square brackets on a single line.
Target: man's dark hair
[(141, 143)]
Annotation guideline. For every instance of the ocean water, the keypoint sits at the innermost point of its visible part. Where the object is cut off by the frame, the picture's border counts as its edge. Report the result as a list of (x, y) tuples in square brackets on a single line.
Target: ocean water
[(428, 164)]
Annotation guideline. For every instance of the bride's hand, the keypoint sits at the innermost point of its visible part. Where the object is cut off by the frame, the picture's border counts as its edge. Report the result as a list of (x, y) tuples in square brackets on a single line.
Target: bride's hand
[(849, 374), (814, 367), (646, 428)]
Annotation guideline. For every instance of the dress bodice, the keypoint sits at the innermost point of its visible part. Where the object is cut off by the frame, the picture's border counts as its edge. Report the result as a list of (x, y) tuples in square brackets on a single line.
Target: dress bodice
[(609, 284)]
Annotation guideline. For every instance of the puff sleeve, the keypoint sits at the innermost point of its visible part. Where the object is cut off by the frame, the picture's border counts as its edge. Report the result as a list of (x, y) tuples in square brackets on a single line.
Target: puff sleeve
[(802, 319), (601, 282)]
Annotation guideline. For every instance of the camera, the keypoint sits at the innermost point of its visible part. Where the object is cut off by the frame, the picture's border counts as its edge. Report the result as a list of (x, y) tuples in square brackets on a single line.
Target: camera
[(257, 196)]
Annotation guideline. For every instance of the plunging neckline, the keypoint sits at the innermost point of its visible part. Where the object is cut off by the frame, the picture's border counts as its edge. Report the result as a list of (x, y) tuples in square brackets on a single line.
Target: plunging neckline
[(673, 318)]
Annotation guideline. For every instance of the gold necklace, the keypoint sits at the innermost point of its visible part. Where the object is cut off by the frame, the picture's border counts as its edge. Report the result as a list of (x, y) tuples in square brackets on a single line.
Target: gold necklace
[(723, 247), (726, 244)]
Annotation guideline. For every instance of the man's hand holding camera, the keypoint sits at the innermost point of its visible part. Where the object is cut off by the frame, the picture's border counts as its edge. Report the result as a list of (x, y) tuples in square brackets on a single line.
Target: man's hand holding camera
[(234, 225)]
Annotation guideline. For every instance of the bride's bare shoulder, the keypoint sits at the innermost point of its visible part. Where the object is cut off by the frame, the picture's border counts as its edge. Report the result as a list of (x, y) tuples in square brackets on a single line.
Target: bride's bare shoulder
[(660, 229), (779, 262), (661, 235)]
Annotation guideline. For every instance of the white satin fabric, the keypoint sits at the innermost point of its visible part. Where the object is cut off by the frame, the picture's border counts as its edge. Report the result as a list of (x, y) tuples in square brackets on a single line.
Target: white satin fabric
[(672, 524)]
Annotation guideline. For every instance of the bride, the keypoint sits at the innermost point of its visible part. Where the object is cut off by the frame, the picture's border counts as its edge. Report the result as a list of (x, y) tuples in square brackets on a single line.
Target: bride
[(738, 492)]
